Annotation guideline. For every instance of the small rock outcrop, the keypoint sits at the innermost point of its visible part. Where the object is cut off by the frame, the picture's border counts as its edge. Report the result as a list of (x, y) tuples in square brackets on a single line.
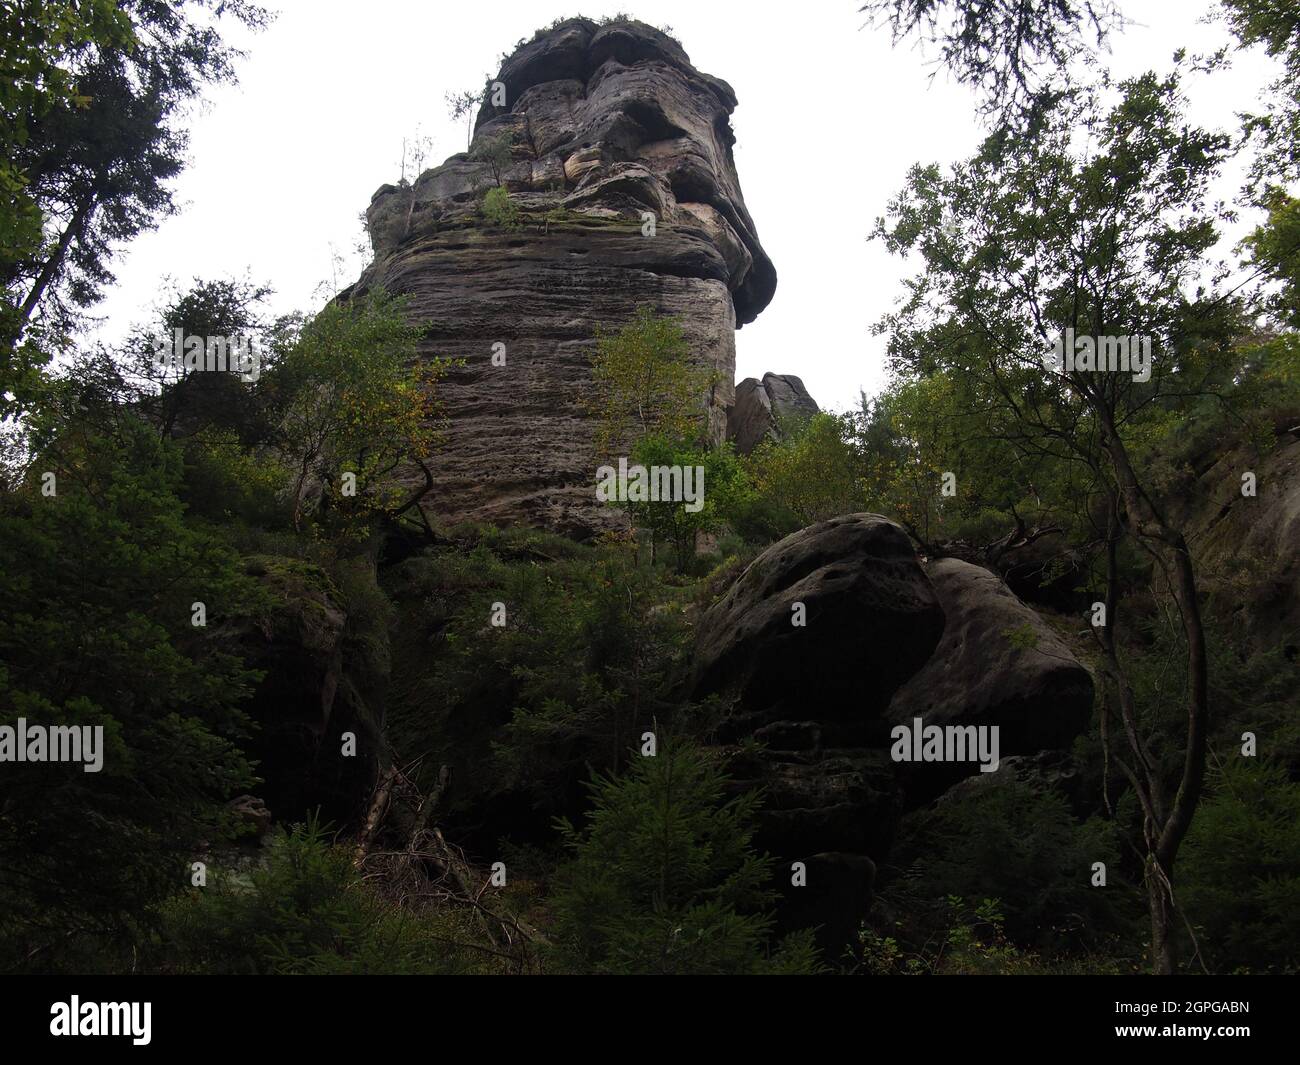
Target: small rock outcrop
[(594, 128), (763, 407)]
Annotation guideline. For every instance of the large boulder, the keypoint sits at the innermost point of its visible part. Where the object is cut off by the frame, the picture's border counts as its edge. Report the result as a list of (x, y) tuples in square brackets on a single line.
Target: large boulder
[(870, 620), (763, 407), (807, 709), (998, 663)]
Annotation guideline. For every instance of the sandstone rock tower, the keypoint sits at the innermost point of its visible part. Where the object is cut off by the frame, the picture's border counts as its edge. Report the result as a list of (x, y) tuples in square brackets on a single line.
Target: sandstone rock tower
[(603, 123)]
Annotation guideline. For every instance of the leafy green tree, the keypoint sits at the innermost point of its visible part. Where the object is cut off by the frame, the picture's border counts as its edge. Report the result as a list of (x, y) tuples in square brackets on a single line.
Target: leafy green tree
[(719, 484), (1101, 222), (362, 405), (1273, 25), (182, 401), (664, 879), (646, 383), (814, 470), (99, 582), (39, 41), (95, 163)]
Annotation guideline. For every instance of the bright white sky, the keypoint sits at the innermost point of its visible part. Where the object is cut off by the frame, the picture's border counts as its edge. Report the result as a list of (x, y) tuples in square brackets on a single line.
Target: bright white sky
[(830, 118)]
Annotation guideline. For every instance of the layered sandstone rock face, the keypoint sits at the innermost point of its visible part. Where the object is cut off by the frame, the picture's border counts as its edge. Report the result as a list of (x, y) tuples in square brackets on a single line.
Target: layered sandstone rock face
[(603, 124)]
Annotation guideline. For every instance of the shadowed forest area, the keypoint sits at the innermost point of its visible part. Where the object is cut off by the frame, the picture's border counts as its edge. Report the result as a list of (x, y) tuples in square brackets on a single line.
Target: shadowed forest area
[(478, 621)]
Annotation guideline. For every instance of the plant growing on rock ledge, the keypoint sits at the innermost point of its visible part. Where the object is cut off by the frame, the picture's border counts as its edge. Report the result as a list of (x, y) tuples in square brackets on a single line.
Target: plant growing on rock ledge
[(646, 383), (497, 154), (499, 209)]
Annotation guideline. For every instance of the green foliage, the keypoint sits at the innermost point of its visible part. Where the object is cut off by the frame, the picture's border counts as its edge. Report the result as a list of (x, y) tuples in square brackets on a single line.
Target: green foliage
[(184, 401), (663, 877), (499, 209), (812, 471), (362, 404), (972, 940), (1273, 25), (1240, 869), (579, 669), (1015, 843), (646, 384), (98, 583), (306, 911), (40, 43), (95, 160), (720, 488)]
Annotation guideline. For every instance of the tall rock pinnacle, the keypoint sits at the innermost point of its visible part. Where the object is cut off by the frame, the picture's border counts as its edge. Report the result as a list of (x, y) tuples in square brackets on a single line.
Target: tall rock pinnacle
[(603, 123)]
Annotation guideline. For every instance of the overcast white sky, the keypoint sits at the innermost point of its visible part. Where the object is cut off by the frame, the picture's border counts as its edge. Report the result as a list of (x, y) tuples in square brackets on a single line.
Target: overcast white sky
[(829, 120)]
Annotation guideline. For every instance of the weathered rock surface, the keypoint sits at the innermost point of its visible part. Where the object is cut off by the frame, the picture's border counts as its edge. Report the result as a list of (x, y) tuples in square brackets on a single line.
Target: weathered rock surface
[(1248, 548), (603, 124), (998, 663), (871, 621), (762, 407)]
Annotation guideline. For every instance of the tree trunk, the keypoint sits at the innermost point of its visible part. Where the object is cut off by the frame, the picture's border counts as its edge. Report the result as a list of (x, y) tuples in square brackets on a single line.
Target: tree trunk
[(53, 264), (1165, 833), (1163, 959)]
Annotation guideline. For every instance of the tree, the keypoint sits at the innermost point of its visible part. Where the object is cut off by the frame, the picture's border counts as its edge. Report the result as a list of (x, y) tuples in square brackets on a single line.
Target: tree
[(1243, 869), (1001, 47), (1100, 222), (650, 397), (813, 470), (39, 41), (645, 382), (719, 485), (664, 878), (99, 582), (183, 401), (305, 910), (463, 105), (95, 163), (362, 407), (419, 148), (1274, 25), (497, 154)]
